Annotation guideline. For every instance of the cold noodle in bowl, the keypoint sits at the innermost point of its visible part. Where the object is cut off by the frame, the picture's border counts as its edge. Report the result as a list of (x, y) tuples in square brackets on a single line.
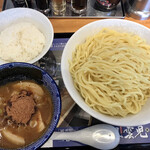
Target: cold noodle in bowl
[(111, 71)]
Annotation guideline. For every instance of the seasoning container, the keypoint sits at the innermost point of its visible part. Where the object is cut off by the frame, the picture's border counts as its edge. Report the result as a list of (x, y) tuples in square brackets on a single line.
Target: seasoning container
[(58, 6), (105, 5), (79, 6), (43, 6), (22, 3)]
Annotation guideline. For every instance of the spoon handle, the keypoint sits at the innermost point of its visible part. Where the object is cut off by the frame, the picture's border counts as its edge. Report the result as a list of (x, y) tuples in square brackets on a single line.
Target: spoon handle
[(65, 136)]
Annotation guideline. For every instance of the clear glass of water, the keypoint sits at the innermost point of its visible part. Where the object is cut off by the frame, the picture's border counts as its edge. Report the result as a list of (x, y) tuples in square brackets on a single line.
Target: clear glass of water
[(58, 6)]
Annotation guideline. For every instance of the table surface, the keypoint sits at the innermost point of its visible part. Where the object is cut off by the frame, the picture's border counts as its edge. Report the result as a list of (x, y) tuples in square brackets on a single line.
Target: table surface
[(69, 25)]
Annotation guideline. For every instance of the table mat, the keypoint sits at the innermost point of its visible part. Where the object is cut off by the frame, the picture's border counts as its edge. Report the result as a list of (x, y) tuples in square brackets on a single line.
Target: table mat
[(73, 117)]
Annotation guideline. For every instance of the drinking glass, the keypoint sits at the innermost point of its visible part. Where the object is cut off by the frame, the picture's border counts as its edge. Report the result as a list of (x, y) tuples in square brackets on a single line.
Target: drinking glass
[(43, 6), (58, 6), (79, 6)]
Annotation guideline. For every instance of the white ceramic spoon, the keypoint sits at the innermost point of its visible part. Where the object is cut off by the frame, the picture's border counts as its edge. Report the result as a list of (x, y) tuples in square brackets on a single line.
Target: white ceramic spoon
[(101, 136)]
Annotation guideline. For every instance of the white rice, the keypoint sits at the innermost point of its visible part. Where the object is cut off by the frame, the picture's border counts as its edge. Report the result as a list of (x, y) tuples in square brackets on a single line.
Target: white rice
[(21, 42)]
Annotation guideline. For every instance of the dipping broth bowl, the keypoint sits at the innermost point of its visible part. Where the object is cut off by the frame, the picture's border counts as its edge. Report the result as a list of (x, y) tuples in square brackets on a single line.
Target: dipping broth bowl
[(11, 72)]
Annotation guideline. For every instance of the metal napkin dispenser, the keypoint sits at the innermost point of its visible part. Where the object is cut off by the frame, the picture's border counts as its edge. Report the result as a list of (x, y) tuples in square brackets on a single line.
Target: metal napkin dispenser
[(138, 9)]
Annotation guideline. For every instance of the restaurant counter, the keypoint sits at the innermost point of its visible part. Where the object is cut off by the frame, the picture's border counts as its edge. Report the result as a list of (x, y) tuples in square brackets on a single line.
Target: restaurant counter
[(70, 25)]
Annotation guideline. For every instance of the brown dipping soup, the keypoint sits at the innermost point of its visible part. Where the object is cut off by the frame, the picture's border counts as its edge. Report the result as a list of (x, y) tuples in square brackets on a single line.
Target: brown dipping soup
[(25, 112)]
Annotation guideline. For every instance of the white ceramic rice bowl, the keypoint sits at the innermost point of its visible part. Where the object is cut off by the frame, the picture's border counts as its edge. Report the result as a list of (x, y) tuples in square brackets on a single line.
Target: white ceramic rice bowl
[(78, 37), (16, 15)]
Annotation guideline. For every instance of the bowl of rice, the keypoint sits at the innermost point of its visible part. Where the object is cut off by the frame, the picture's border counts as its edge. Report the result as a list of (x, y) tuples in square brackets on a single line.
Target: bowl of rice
[(106, 69), (25, 35)]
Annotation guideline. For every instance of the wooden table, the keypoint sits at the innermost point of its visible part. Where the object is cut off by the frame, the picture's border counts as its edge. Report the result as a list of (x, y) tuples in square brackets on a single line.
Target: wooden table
[(72, 25), (1, 4)]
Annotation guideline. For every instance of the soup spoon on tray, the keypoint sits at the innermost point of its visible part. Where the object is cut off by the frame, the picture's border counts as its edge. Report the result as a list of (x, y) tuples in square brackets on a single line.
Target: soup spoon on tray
[(101, 136)]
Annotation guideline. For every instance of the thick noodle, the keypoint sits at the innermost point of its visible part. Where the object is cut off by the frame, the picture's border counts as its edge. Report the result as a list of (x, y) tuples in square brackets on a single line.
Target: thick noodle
[(111, 70)]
